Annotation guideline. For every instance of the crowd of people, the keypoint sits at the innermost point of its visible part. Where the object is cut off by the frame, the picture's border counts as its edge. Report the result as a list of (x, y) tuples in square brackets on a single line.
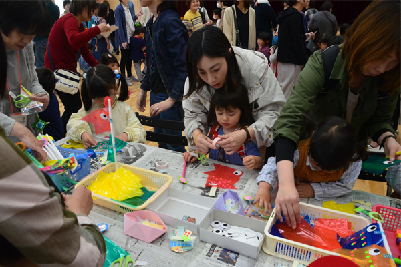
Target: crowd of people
[(293, 94)]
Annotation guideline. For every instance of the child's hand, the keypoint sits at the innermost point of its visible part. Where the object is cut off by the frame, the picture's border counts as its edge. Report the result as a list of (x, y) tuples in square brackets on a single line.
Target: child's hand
[(188, 157), (88, 140), (123, 136), (249, 162), (305, 190), (263, 197)]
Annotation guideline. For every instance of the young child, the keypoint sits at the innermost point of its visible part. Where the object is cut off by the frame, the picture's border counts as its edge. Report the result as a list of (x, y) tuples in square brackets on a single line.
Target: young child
[(100, 81), (138, 47), (325, 165), (264, 43), (83, 65), (217, 16), (51, 115), (103, 43), (230, 111), (111, 61)]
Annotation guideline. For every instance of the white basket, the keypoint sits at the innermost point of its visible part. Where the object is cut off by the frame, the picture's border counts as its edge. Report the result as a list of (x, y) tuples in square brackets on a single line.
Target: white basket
[(304, 254)]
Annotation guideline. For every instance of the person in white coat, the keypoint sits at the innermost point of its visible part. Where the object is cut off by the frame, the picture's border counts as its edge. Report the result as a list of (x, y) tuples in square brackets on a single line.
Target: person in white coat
[(213, 64)]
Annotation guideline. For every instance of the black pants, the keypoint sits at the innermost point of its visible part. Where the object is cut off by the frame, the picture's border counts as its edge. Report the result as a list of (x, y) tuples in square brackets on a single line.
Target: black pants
[(72, 103), (126, 62)]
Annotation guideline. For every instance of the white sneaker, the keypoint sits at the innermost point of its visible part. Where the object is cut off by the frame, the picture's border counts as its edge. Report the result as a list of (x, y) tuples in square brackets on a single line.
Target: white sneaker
[(128, 81)]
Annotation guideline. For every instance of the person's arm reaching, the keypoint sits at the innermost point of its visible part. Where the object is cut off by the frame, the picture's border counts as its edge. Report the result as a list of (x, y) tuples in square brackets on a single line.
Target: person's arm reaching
[(33, 219)]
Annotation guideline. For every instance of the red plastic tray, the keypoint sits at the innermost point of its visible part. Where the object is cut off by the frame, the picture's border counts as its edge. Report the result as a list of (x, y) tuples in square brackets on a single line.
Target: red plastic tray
[(392, 222)]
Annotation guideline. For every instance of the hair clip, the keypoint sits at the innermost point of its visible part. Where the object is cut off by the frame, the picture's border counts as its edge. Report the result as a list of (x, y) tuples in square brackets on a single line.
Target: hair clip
[(109, 56), (117, 74), (84, 75)]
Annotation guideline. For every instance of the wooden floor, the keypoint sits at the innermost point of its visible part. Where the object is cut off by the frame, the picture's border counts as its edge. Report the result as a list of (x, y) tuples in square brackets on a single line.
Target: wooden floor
[(366, 186)]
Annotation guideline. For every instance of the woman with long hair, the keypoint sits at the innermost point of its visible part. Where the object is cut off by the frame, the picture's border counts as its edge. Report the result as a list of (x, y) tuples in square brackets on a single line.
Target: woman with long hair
[(166, 40), (213, 64), (366, 78)]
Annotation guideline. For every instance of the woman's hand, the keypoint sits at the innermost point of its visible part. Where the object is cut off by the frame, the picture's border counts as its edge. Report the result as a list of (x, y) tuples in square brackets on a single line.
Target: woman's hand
[(123, 136), (88, 140), (141, 101), (233, 141), (391, 146), (140, 13), (287, 200), (103, 27), (188, 157), (158, 108), (29, 140), (263, 197), (42, 98), (210, 22), (125, 45), (203, 144)]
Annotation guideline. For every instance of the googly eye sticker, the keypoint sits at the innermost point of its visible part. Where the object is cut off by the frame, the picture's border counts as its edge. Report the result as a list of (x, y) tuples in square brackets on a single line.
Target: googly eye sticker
[(374, 251), (224, 226), (371, 228), (216, 224), (103, 116), (217, 231), (387, 162), (237, 172)]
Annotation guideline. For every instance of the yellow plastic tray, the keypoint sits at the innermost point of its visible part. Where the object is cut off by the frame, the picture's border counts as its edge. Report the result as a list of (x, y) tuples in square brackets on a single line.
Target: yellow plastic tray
[(153, 181)]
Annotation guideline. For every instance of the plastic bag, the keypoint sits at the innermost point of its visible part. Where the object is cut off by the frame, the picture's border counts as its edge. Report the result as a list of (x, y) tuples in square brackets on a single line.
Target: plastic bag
[(119, 185), (304, 233), (113, 252)]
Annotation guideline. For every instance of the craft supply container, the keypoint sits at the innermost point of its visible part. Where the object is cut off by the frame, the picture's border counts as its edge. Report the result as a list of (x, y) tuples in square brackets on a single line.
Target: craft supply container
[(305, 254), (134, 228), (208, 236), (153, 181)]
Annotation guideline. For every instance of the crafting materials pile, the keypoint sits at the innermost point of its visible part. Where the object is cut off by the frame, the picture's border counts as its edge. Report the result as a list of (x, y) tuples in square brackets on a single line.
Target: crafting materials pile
[(257, 212), (119, 185), (244, 235), (181, 239)]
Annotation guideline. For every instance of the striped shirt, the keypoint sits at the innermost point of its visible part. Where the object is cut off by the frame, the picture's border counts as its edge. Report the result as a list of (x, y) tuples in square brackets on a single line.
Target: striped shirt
[(322, 190), (193, 21), (33, 220)]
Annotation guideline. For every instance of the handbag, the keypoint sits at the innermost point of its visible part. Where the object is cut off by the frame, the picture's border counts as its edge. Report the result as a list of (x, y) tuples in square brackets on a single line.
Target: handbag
[(238, 43), (67, 81)]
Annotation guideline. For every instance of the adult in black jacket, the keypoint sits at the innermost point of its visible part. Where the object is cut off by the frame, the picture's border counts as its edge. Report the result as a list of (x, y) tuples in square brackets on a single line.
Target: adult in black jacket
[(112, 21), (265, 18), (291, 55)]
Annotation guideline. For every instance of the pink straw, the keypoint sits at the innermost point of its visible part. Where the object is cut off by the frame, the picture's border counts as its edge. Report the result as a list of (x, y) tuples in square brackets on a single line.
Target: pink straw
[(185, 167)]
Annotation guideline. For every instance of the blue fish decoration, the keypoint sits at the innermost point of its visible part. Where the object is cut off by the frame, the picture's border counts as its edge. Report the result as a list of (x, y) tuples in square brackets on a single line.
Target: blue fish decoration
[(370, 235)]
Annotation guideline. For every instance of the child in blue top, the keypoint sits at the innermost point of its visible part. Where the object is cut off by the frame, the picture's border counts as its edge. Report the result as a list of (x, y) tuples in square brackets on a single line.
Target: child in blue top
[(51, 115), (230, 111), (138, 46)]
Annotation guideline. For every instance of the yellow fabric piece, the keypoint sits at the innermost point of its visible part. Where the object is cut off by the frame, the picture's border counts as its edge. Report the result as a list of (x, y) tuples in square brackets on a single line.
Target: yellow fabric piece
[(348, 207), (119, 185), (124, 121)]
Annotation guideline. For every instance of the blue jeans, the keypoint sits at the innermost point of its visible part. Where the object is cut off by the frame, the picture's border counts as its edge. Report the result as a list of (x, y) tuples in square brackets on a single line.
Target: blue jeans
[(40, 51), (175, 113)]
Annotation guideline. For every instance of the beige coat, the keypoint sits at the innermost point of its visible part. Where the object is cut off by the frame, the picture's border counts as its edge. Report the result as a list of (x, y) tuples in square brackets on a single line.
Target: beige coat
[(229, 27), (264, 93)]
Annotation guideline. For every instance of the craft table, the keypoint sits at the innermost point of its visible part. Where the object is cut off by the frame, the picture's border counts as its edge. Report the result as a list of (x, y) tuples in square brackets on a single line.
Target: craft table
[(158, 253)]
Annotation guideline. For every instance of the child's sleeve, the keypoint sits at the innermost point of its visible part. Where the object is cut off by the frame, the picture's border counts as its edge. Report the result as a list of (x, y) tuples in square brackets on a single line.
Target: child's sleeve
[(76, 126), (251, 149), (342, 186), (269, 172), (134, 130)]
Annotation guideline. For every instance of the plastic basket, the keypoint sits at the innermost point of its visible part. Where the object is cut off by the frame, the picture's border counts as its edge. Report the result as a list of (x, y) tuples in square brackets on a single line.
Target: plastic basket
[(392, 222), (63, 180), (305, 254), (153, 181)]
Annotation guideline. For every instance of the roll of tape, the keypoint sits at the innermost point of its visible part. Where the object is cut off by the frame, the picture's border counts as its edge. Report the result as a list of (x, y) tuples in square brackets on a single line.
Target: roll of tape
[(161, 165)]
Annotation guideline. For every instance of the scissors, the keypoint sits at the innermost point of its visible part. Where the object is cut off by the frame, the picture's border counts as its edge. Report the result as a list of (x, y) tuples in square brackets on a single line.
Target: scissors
[(123, 262), (21, 101)]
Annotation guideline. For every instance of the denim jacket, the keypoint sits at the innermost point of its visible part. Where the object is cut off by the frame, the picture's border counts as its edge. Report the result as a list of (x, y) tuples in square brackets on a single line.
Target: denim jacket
[(168, 45), (121, 23)]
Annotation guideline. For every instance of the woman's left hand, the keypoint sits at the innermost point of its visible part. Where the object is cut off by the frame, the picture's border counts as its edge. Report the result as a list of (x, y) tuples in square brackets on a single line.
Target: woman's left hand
[(158, 108), (210, 22), (391, 147), (42, 99), (233, 141)]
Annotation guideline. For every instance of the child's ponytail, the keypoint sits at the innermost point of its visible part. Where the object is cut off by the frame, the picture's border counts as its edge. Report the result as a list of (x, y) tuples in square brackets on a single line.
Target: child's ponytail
[(123, 89), (86, 99)]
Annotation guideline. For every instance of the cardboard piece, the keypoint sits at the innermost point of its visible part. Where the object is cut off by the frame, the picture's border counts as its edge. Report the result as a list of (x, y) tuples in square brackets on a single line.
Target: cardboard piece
[(206, 234), (134, 228), (173, 205)]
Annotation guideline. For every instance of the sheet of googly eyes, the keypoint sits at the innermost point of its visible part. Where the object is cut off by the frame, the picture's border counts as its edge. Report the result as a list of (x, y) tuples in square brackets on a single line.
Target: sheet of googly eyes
[(244, 235)]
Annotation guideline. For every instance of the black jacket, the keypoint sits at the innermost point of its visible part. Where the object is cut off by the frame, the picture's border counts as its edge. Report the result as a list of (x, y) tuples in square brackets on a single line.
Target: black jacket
[(291, 37), (265, 19)]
